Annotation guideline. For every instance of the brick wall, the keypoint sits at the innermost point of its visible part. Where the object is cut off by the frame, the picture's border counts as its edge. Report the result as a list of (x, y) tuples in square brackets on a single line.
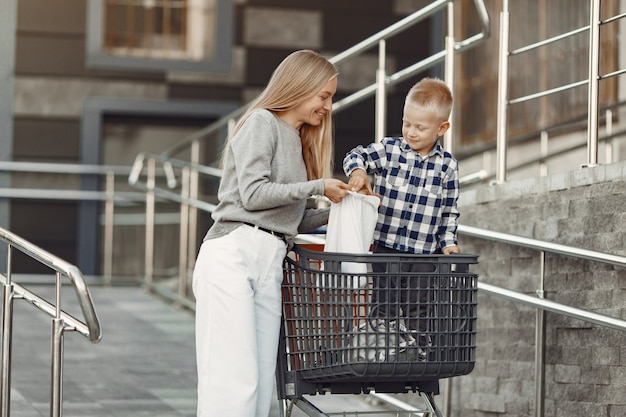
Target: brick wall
[(585, 363)]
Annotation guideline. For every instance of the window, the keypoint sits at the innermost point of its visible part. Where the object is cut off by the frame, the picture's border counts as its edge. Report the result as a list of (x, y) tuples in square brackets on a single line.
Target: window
[(160, 34)]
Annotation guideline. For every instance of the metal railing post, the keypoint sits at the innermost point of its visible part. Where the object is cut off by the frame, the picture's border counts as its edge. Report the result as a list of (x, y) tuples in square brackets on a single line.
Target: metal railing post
[(184, 234), (608, 150), (7, 338), (150, 203), (594, 81), (544, 152), (109, 221), (503, 86), (381, 93), (448, 137), (232, 123), (56, 394), (56, 390), (540, 344), (448, 145), (7, 332), (194, 184)]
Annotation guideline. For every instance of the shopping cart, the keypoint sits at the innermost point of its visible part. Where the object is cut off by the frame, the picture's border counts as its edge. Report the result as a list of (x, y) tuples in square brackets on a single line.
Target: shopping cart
[(334, 339)]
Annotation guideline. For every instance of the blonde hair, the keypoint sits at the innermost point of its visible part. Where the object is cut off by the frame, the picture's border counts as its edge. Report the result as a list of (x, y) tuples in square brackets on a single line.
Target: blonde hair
[(433, 94), (297, 78)]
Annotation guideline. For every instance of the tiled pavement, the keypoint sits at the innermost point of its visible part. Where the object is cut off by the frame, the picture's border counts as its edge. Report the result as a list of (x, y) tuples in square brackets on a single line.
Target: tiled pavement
[(144, 365)]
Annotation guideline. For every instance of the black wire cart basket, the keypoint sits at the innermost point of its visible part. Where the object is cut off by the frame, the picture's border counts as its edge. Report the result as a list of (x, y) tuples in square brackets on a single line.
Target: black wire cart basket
[(348, 329)]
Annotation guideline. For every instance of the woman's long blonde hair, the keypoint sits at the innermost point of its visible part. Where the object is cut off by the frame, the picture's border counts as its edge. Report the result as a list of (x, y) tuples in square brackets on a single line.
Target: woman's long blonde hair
[(298, 77)]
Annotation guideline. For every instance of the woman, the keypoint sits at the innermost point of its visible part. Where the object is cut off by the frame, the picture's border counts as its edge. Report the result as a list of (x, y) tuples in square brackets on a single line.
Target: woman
[(279, 155)]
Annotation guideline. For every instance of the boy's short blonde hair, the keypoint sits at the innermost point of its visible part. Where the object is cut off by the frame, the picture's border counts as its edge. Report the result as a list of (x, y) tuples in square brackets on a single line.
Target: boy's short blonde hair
[(433, 94)]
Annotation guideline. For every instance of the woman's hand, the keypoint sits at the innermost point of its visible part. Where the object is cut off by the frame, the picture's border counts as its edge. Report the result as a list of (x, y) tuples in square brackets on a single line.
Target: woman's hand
[(359, 182), (335, 190)]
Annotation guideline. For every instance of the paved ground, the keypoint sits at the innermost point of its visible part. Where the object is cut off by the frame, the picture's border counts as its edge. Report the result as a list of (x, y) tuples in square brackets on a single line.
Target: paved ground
[(144, 365)]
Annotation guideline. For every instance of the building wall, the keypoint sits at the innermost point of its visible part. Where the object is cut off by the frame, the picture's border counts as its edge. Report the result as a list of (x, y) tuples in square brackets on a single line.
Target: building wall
[(585, 363)]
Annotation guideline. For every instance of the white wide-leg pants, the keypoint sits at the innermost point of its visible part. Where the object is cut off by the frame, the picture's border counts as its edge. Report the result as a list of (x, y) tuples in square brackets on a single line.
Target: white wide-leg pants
[(236, 282)]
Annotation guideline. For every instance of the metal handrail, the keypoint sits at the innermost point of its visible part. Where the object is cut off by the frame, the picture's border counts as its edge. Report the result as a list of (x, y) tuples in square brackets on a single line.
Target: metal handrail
[(542, 159), (418, 67), (569, 125), (92, 330), (592, 81), (543, 246), (56, 168), (85, 169), (74, 195), (71, 323), (540, 303), (67, 194), (168, 164), (61, 321), (109, 195), (544, 304), (556, 248)]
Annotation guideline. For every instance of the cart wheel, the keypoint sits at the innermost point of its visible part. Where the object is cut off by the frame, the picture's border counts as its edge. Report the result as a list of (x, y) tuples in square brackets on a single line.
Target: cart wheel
[(430, 400)]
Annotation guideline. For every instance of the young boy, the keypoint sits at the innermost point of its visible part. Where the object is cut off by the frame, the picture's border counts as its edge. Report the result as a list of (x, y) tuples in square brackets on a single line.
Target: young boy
[(418, 184)]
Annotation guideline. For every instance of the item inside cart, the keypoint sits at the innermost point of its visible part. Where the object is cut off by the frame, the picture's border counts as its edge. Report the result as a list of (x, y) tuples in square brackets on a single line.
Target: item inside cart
[(335, 339)]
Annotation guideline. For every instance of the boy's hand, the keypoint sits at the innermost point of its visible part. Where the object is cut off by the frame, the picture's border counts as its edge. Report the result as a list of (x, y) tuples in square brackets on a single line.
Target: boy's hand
[(451, 249), (359, 181)]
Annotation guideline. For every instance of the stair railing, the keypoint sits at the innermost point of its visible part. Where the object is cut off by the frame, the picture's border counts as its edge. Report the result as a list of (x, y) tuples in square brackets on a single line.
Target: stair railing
[(110, 196), (539, 302), (61, 321), (611, 134), (592, 82)]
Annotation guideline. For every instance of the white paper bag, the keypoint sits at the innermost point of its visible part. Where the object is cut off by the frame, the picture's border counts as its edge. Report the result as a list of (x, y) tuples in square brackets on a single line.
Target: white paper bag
[(351, 225)]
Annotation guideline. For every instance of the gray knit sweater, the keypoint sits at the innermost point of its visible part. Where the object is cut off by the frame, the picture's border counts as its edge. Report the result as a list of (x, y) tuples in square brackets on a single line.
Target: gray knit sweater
[(264, 180)]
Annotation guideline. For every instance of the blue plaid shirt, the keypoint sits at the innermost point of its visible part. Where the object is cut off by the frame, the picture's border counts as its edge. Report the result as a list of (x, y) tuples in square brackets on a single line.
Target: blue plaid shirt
[(418, 212)]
